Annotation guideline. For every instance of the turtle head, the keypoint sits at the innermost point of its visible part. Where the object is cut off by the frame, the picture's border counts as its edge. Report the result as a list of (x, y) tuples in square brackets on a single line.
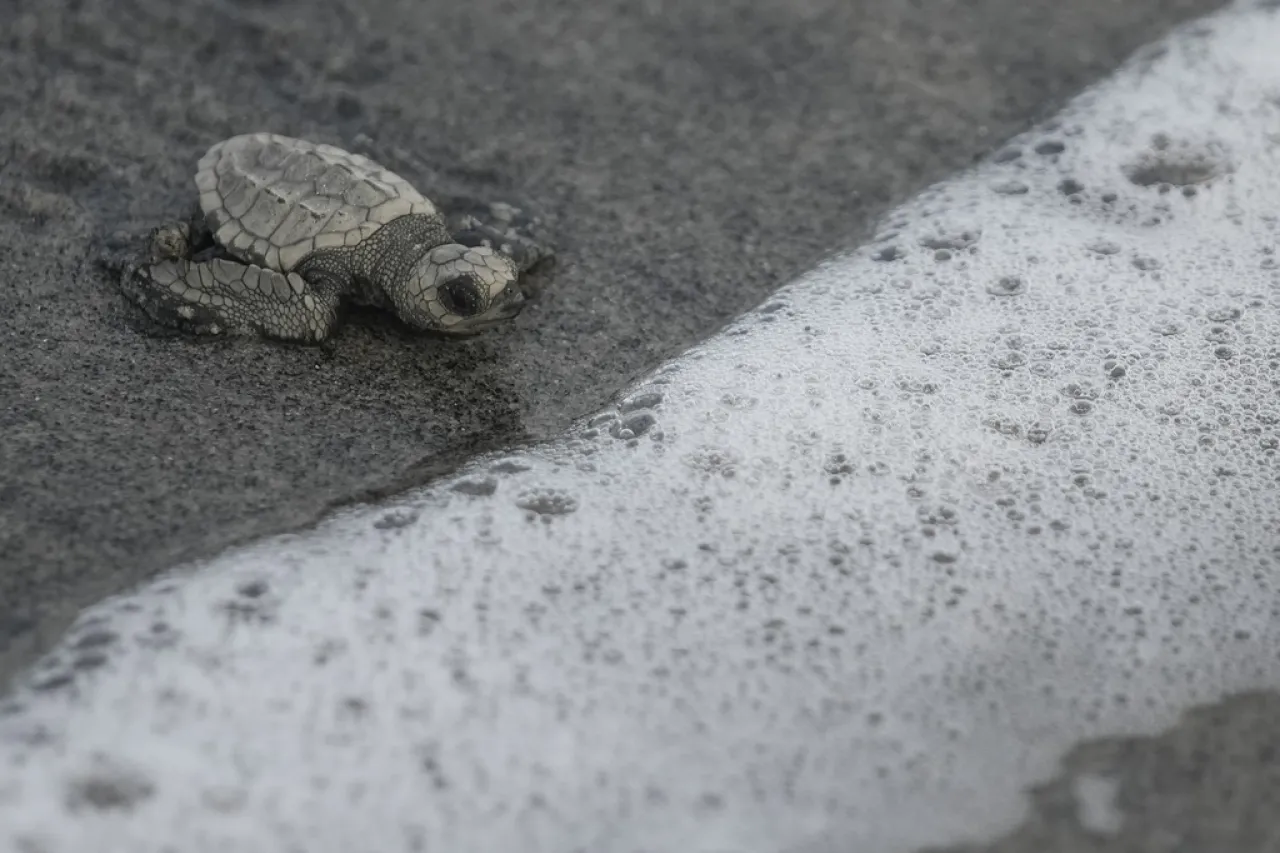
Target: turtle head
[(460, 290)]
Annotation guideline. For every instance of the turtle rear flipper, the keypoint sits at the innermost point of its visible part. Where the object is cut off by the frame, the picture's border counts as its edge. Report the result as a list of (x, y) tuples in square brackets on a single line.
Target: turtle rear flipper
[(224, 297)]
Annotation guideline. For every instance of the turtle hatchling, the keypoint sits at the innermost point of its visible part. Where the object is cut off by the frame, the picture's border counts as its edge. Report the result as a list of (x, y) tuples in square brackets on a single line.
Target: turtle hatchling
[(287, 231)]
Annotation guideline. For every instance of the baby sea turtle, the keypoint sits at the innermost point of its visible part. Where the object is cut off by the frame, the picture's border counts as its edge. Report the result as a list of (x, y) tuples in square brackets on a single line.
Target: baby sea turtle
[(288, 230)]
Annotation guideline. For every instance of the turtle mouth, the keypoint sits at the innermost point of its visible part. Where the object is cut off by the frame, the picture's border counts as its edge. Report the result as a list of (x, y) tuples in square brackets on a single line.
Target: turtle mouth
[(500, 318), (508, 312)]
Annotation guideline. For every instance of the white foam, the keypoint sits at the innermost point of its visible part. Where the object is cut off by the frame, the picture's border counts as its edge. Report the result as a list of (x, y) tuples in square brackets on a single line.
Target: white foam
[(894, 542)]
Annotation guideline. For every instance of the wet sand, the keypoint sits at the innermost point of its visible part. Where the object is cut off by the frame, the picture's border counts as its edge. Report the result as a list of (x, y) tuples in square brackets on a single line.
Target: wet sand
[(688, 160)]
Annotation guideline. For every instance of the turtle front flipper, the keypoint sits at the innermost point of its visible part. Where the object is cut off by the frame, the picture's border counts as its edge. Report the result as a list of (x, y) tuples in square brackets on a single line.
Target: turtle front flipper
[(502, 227), (224, 297)]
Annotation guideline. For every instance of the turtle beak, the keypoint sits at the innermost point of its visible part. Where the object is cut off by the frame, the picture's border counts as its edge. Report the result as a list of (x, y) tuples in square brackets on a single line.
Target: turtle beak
[(514, 305), (511, 308)]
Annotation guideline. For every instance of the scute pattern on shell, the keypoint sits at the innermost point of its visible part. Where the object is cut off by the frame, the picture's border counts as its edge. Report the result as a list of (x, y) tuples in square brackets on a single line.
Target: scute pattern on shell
[(271, 200)]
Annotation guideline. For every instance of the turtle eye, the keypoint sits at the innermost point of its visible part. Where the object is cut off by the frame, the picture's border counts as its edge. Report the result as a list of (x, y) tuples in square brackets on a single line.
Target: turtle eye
[(460, 296)]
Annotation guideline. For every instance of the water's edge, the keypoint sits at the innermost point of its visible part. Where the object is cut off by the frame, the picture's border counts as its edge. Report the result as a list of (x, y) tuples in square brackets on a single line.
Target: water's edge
[(855, 571)]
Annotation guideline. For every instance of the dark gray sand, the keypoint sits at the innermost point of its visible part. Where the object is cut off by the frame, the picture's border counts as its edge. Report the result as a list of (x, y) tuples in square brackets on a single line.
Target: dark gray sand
[(689, 157), (1208, 783)]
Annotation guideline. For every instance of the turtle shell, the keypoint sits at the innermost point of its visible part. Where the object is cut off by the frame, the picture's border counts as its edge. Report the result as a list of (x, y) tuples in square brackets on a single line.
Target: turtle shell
[(271, 200)]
